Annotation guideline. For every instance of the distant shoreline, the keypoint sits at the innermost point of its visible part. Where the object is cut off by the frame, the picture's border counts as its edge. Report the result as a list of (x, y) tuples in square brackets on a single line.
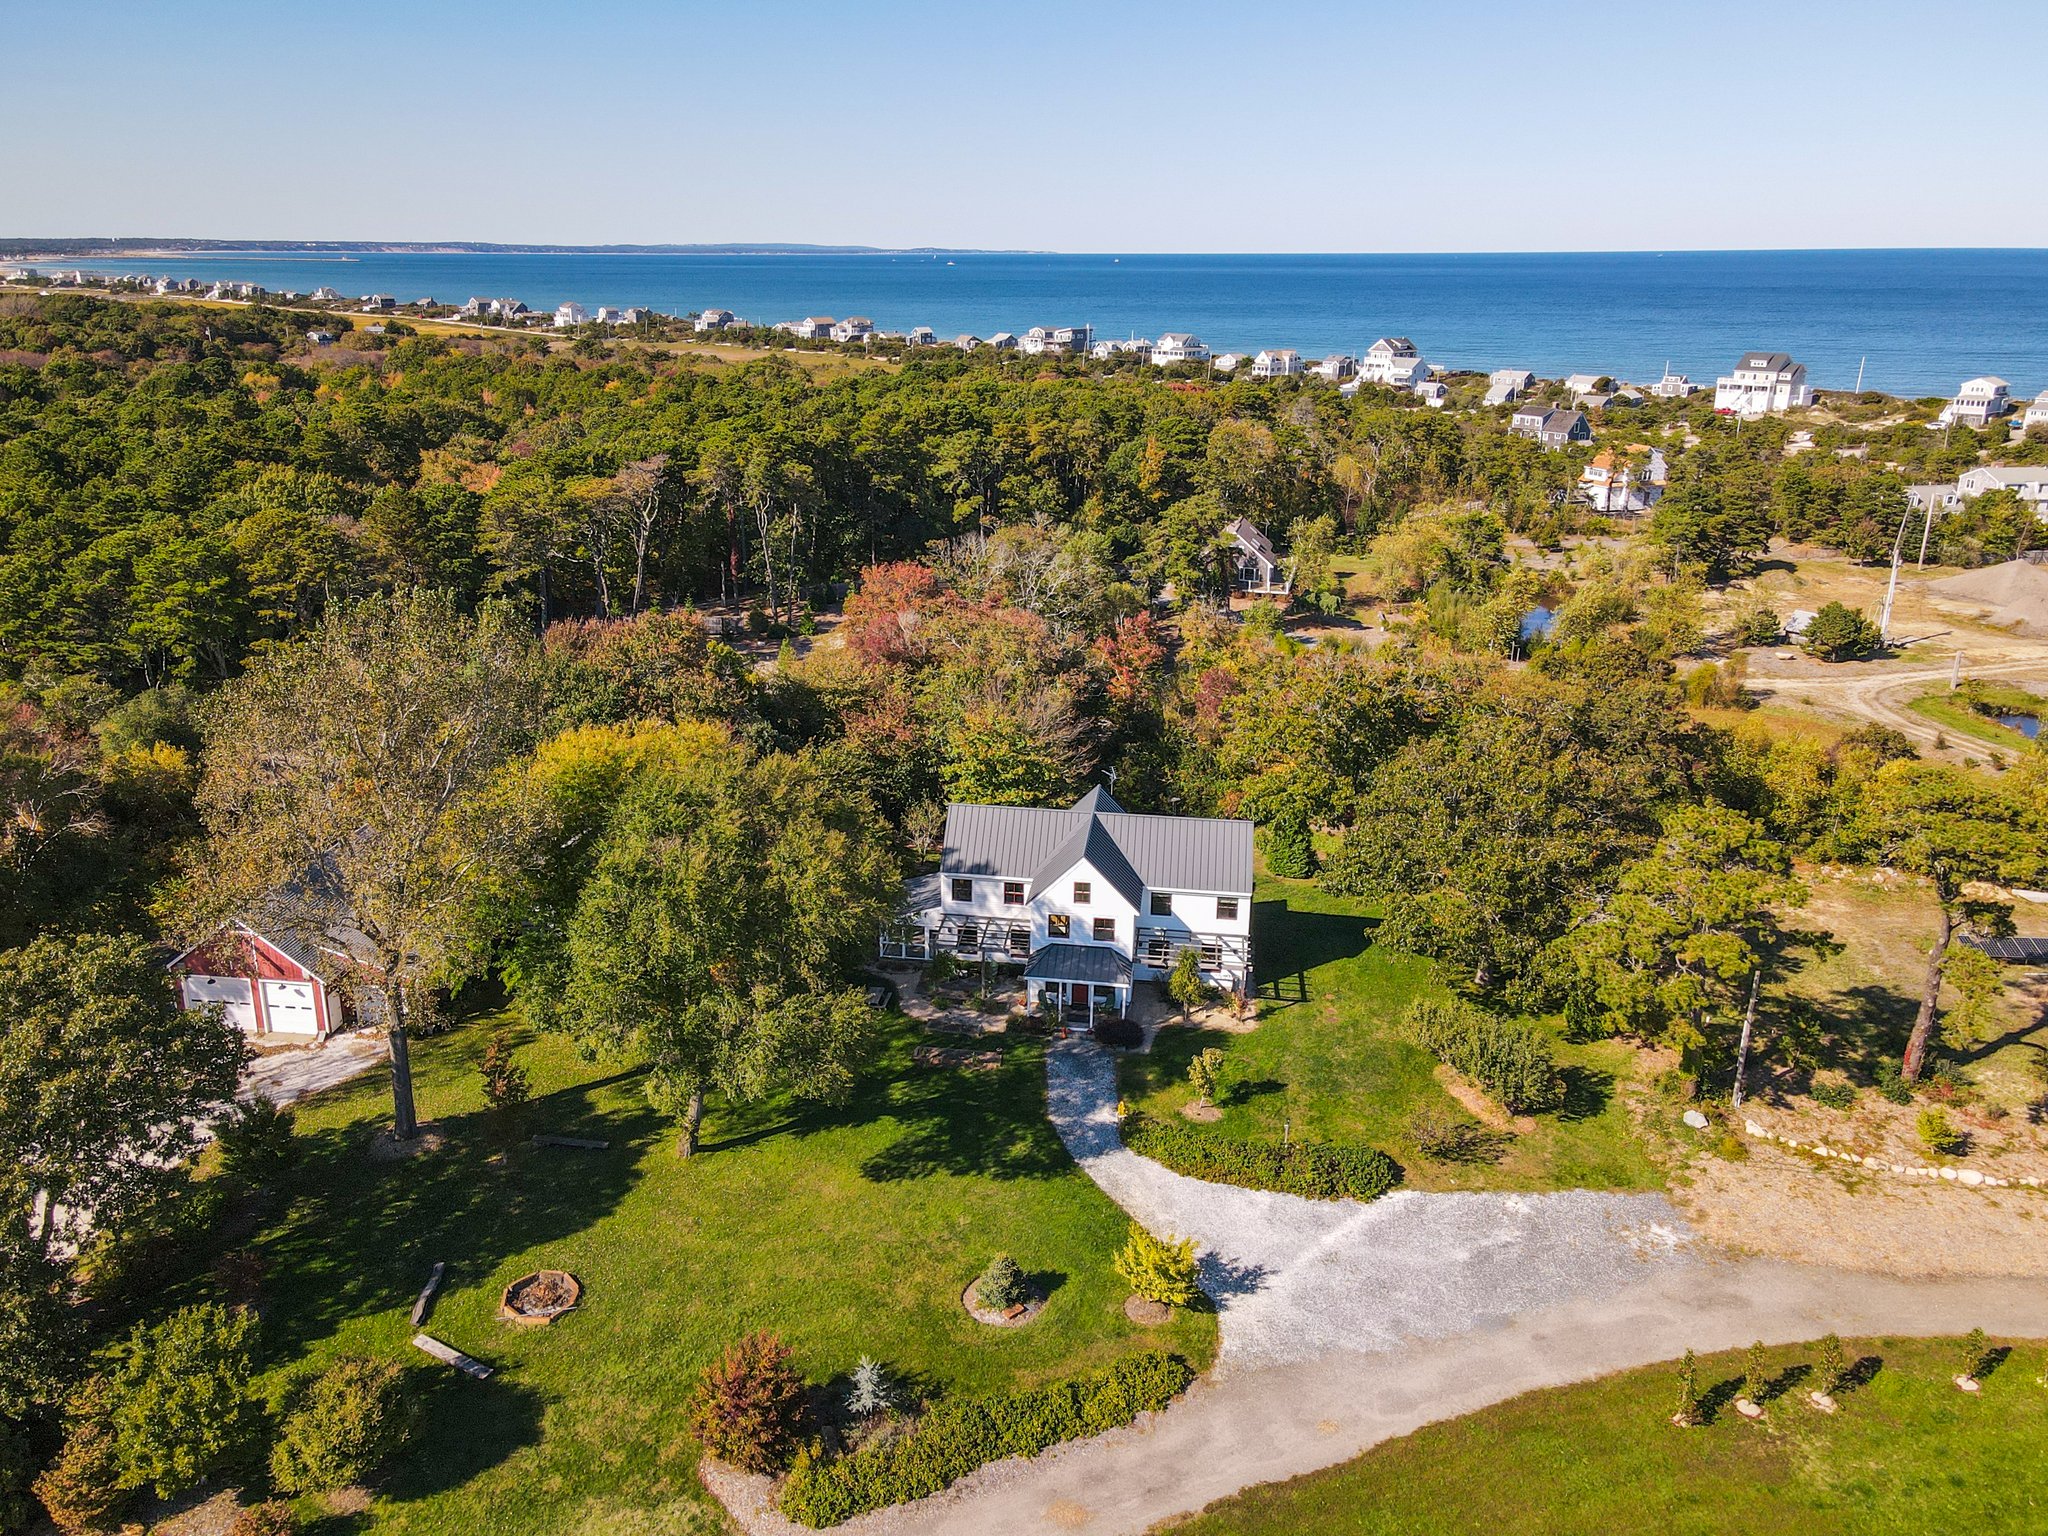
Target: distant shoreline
[(95, 248)]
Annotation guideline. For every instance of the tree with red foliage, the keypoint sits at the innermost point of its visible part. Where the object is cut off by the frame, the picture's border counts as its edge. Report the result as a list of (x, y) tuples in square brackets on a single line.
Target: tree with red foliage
[(884, 617), (1131, 654), (752, 1406)]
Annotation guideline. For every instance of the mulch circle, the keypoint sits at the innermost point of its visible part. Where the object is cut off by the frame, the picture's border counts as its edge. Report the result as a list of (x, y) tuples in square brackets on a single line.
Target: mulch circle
[(1196, 1110), (1147, 1314), (387, 1148), (996, 1319)]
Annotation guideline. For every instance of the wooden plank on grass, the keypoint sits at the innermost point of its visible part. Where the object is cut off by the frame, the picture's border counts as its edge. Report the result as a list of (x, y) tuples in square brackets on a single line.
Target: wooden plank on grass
[(426, 1296), (583, 1143), (448, 1354)]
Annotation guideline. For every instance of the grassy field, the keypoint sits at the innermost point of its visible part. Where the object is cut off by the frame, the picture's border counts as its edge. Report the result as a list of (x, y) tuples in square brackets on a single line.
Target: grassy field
[(850, 1231), (1952, 712), (1328, 1062), (1907, 1454)]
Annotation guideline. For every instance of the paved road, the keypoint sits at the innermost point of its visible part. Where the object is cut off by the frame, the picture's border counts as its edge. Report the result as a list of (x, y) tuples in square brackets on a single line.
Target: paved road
[(1419, 1308)]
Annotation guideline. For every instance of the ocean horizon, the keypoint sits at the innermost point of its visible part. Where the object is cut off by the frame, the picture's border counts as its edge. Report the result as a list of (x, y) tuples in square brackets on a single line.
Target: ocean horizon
[(1914, 322)]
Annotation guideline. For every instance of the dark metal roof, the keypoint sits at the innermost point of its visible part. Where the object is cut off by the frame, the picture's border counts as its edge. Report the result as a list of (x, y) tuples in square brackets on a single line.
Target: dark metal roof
[(2021, 951), (1252, 537), (1094, 964), (1092, 842), (1165, 853)]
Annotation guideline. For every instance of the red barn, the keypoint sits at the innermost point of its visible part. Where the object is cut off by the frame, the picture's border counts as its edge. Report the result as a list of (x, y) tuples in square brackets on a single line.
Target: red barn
[(267, 984)]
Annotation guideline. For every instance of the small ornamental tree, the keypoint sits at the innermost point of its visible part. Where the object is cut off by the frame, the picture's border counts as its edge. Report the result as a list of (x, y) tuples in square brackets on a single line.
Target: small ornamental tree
[(1755, 1373), (506, 1085), (1686, 1410), (1833, 1368), (869, 1390), (83, 1485), (1185, 983), (1205, 1072), (751, 1405), (1002, 1285), (341, 1426), (1938, 1133), (1970, 1355), (256, 1142), (1158, 1269), (181, 1396)]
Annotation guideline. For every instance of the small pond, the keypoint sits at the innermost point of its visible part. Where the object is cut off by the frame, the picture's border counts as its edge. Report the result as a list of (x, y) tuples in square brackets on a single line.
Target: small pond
[(2028, 726)]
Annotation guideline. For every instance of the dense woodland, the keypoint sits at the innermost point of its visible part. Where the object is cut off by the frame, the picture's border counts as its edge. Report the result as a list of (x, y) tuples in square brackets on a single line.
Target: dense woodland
[(245, 596)]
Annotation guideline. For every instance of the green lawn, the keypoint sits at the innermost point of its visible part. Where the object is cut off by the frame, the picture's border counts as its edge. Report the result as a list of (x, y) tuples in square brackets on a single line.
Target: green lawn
[(1327, 1060), (1952, 712), (848, 1231), (1907, 1454)]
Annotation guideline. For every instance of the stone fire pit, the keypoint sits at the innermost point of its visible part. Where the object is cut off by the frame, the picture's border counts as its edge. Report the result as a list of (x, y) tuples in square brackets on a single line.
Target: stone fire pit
[(535, 1300)]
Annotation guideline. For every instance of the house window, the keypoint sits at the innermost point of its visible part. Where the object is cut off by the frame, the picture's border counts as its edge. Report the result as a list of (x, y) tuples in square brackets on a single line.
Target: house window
[(1013, 893), (1212, 957), (1105, 930), (969, 940), (1020, 943), (963, 890), (1226, 909), (1162, 904), (1056, 925), (1081, 890), (1158, 953)]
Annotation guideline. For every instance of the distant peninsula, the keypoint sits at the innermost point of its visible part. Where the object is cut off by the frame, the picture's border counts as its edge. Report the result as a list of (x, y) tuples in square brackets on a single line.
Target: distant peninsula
[(138, 245)]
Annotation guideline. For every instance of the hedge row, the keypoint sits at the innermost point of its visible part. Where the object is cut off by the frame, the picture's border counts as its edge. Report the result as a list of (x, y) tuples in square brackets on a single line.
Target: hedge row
[(1314, 1169), (1512, 1059), (956, 1437)]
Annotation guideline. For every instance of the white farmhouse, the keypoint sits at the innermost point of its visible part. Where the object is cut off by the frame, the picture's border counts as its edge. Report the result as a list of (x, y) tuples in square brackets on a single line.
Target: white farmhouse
[(1393, 360), (1978, 403), (852, 328), (1763, 382), (1280, 363), (1621, 483), (1178, 347), (1090, 899)]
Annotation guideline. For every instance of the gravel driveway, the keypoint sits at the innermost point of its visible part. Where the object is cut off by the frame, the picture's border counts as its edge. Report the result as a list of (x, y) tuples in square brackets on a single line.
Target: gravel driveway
[(282, 1076), (1297, 1279)]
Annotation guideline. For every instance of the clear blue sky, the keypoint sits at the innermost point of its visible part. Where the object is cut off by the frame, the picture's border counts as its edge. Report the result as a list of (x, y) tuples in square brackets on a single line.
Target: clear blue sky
[(1108, 125)]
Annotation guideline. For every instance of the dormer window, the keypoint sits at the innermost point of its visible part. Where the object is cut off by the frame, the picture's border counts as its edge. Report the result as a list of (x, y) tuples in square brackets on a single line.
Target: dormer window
[(963, 890), (1082, 891), (1013, 893)]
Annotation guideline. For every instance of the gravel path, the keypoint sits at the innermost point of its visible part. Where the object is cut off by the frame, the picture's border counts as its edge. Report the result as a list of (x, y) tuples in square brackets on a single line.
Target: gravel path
[(285, 1075), (1295, 1279)]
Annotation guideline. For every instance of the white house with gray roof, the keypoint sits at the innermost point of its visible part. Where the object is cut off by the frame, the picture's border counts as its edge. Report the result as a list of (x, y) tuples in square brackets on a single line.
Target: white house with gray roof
[(1090, 899), (1763, 383)]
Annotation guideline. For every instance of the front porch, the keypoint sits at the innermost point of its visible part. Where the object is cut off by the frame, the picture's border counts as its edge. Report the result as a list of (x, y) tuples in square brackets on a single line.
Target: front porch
[(1083, 981)]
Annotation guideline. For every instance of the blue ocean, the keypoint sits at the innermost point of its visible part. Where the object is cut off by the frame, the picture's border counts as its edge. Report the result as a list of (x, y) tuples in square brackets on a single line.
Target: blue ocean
[(1914, 322)]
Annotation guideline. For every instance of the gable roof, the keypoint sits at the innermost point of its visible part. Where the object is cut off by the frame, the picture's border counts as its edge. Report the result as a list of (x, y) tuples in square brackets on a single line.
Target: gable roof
[(1770, 362), (1251, 537), (1173, 853)]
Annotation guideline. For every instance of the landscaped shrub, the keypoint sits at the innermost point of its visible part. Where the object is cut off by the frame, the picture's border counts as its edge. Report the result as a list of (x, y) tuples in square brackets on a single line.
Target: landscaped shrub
[(1756, 1375), (1186, 984), (954, 1438), (1938, 1134), (505, 1083), (1124, 1034), (1002, 1285), (272, 1519), (341, 1425), (1205, 1071), (1892, 1085), (181, 1396), (751, 1406), (1832, 1368), (1289, 846), (1316, 1170), (83, 1485), (256, 1142), (1512, 1059), (1835, 1095), (1449, 1139), (1686, 1410), (1160, 1269), (1970, 1354)]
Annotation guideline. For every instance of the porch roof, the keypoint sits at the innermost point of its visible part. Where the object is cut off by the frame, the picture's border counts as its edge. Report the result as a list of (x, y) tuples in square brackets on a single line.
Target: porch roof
[(1094, 964)]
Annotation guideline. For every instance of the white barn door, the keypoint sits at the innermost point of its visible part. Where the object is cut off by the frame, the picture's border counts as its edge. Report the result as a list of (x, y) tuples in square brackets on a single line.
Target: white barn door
[(288, 1008)]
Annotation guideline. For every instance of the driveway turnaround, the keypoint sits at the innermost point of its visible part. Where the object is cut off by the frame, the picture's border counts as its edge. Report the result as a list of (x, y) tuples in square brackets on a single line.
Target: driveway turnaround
[(286, 1075), (1346, 1325)]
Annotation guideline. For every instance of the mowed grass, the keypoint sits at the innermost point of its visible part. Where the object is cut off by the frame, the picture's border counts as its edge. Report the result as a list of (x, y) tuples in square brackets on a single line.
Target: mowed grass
[(1907, 1454), (848, 1231), (1953, 713), (1329, 1061)]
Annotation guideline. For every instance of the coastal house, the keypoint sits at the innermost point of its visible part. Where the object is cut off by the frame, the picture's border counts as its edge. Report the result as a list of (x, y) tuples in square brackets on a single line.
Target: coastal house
[(1277, 363), (852, 328), (1978, 403), (920, 336), (1551, 426), (1227, 362), (1089, 899), (569, 314), (811, 328), (608, 314), (2037, 413), (1255, 568), (1337, 366), (1433, 393), (378, 303), (712, 320), (320, 338), (967, 341), (324, 295), (1763, 383), (1936, 497), (1627, 482), (2029, 482), (1003, 341), (1126, 346), (1393, 360), (1178, 347), (1504, 386), (1581, 386), (1673, 386), (1053, 340)]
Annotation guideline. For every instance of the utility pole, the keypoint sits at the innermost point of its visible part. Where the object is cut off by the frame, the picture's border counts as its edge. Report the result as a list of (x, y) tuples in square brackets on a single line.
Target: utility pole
[(1955, 673), (1859, 371), (1926, 528), (1891, 591), (1742, 1048)]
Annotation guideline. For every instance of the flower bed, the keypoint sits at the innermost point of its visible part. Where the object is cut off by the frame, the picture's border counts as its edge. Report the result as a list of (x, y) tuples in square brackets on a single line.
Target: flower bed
[(955, 1438), (1313, 1169)]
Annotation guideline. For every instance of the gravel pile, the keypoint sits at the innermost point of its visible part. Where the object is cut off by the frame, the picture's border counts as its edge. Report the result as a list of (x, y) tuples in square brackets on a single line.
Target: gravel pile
[(1297, 1279)]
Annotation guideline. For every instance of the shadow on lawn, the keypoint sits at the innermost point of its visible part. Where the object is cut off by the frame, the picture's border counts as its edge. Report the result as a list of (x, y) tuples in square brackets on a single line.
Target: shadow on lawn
[(1587, 1092), (1287, 945), (987, 1123)]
